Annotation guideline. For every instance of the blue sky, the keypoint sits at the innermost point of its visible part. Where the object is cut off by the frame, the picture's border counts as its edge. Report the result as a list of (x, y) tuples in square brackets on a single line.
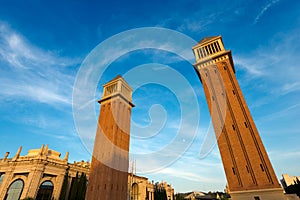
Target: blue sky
[(44, 44)]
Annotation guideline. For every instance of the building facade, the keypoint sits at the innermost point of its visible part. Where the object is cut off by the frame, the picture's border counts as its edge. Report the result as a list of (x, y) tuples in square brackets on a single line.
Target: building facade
[(140, 188), (39, 175), (248, 169)]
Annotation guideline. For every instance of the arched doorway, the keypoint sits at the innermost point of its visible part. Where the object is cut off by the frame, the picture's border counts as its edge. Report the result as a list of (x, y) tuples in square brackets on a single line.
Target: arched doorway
[(45, 191), (1, 177), (15, 190), (135, 191)]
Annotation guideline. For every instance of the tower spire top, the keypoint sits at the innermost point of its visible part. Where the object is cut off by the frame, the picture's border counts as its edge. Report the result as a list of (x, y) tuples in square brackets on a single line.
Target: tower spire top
[(117, 87), (209, 48), (209, 38)]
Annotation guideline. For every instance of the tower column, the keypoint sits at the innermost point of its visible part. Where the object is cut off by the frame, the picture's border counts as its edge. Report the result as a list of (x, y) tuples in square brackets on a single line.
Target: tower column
[(109, 168), (248, 170)]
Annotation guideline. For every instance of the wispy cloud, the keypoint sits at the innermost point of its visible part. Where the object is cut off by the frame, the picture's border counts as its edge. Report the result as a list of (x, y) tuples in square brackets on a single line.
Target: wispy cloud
[(32, 73), (190, 175), (285, 155), (288, 111), (264, 9), (253, 66), (274, 61), (196, 23), (290, 87)]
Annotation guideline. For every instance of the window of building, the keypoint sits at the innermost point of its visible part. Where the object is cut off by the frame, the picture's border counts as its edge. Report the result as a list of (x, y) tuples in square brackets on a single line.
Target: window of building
[(206, 50), (212, 48), (209, 49), (233, 170), (110, 89), (256, 198), (45, 191), (200, 53), (1, 177), (15, 190), (218, 46), (135, 191), (262, 167)]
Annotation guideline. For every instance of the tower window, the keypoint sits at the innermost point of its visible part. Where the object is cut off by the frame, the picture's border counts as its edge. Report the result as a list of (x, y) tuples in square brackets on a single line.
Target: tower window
[(209, 48), (200, 53), (262, 167), (246, 125), (233, 92), (213, 48), (110, 89), (233, 170), (218, 46), (203, 52), (104, 186), (213, 98), (206, 50), (247, 168), (256, 198), (112, 186), (233, 127)]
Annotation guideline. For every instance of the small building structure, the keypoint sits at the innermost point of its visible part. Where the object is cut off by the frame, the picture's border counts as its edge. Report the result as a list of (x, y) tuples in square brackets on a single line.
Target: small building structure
[(39, 174), (288, 180), (196, 195)]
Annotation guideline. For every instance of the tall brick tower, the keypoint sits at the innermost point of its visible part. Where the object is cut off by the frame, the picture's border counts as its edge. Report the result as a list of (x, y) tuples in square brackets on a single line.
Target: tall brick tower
[(108, 178), (248, 170)]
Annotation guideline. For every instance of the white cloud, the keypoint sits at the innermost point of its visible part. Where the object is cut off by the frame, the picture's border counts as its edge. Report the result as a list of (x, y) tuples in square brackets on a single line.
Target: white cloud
[(32, 73), (252, 66), (288, 111), (189, 175), (290, 87), (195, 23), (275, 61), (264, 9)]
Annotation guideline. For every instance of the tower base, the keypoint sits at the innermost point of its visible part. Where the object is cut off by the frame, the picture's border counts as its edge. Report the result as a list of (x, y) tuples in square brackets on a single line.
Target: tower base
[(263, 194)]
